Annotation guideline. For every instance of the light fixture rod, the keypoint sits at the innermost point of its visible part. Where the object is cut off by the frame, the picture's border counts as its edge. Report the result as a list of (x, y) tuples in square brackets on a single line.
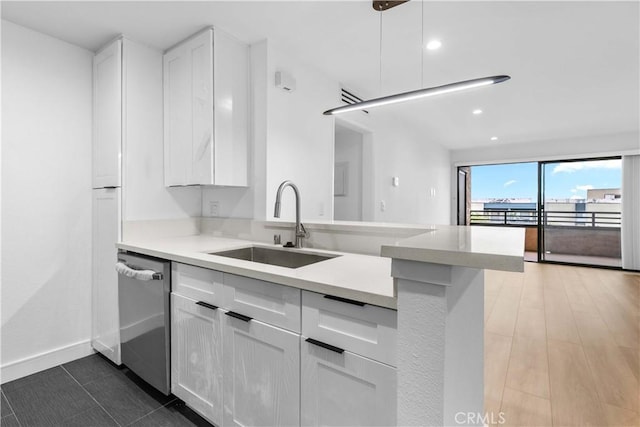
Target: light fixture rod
[(417, 94)]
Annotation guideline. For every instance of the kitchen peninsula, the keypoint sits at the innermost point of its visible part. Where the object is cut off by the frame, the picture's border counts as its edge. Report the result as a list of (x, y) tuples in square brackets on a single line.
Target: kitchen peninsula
[(435, 281)]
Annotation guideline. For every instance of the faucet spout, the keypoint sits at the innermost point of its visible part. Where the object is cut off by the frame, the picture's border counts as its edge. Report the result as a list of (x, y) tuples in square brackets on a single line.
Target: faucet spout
[(300, 231)]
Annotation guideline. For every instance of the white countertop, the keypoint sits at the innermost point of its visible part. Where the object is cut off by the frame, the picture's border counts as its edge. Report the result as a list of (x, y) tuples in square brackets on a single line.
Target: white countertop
[(495, 248), (364, 278)]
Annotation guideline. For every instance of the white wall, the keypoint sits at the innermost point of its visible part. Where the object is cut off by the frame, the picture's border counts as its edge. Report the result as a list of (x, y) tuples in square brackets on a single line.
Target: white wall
[(574, 148), (144, 195), (348, 151), (46, 192), (300, 138), (293, 140), (421, 165)]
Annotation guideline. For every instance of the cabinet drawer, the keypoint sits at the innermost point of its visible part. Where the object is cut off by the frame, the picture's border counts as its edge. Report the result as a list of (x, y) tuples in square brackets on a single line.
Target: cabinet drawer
[(197, 283), (345, 389), (265, 301), (366, 330)]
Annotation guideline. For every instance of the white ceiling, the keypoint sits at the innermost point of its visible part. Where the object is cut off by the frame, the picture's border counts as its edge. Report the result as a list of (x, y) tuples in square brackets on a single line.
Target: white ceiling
[(574, 65)]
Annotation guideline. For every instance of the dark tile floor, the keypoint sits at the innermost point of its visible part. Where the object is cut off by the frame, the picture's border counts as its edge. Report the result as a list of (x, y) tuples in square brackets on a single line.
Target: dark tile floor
[(90, 392)]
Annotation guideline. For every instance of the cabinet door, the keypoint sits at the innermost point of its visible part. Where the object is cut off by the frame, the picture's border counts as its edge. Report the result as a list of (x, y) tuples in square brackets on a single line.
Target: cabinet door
[(261, 374), (231, 100), (105, 335), (107, 116), (188, 107), (200, 50), (196, 356), (177, 116), (345, 389)]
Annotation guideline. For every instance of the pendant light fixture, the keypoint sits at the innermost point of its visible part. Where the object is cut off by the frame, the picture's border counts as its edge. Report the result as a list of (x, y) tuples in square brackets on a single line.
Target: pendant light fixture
[(380, 6)]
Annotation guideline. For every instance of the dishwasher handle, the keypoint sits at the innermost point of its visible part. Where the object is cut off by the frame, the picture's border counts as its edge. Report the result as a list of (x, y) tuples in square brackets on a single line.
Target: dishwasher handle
[(124, 269)]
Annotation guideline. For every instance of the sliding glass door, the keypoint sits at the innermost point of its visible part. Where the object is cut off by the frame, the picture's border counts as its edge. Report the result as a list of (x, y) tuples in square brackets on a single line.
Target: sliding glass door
[(579, 214)]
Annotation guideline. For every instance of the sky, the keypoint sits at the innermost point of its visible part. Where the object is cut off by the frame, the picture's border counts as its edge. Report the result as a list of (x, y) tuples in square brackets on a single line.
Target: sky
[(563, 180)]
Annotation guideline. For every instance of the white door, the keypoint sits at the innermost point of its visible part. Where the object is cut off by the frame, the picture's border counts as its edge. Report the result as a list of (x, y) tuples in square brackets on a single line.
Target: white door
[(345, 389), (261, 374), (188, 112), (177, 116), (231, 99), (107, 116), (196, 356), (106, 232), (200, 50)]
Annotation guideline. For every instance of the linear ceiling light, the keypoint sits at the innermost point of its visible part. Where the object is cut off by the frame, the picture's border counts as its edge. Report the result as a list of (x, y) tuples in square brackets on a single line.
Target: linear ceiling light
[(418, 94)]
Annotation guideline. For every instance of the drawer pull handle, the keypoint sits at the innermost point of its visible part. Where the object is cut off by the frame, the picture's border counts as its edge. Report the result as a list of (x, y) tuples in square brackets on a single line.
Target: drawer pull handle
[(325, 345), (206, 304), (346, 300), (239, 316)]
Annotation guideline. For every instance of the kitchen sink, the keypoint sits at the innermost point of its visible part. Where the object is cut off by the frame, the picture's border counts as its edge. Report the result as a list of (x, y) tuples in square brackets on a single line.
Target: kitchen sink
[(280, 257)]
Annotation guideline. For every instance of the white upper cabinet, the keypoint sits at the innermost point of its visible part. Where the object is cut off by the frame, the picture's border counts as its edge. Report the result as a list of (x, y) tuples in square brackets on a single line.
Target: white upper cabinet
[(206, 111), (107, 116), (231, 109)]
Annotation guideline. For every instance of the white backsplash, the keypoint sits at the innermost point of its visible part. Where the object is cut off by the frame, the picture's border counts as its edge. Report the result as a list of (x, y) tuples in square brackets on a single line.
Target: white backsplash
[(354, 237)]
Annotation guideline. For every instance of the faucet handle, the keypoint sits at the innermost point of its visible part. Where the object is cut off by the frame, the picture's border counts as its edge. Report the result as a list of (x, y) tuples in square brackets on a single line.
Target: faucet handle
[(302, 232)]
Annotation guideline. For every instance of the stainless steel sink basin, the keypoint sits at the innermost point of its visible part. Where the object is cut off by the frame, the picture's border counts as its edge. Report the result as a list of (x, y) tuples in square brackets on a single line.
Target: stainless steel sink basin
[(280, 257)]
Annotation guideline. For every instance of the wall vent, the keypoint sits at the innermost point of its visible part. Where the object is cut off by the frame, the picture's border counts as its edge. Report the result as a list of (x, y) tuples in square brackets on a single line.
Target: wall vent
[(349, 98)]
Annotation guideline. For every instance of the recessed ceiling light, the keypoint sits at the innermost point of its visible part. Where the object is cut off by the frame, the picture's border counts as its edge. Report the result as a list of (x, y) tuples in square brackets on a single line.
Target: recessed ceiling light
[(477, 111), (434, 45), (494, 138)]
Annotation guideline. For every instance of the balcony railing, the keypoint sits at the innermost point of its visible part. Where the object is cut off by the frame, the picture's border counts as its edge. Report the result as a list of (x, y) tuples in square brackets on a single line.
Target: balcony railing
[(529, 217)]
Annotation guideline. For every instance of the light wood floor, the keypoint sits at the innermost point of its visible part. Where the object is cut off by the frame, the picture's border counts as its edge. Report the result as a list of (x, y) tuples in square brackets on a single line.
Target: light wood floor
[(562, 346)]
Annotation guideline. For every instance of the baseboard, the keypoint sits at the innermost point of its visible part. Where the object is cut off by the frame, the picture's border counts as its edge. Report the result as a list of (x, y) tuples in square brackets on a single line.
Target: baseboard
[(32, 364)]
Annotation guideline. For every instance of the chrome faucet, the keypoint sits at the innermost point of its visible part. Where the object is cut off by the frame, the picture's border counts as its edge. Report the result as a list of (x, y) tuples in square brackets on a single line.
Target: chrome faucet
[(300, 232)]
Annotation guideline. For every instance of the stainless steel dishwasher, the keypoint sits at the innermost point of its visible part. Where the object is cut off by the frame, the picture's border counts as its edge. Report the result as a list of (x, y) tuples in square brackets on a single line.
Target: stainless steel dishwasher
[(144, 286)]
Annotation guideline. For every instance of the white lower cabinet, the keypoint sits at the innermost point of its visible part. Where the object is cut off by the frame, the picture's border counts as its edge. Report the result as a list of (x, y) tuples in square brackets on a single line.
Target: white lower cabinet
[(105, 328), (261, 374), (345, 389), (253, 368), (196, 356)]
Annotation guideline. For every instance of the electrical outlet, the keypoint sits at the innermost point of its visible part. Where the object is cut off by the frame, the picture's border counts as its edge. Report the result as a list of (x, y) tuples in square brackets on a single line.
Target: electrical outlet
[(383, 206), (214, 208), (321, 209)]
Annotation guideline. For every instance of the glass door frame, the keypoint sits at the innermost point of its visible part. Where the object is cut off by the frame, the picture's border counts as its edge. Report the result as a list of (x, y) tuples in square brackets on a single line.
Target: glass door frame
[(540, 211), (541, 208)]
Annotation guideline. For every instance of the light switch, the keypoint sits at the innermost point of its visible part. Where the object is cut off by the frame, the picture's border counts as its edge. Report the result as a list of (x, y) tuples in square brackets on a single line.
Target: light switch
[(395, 181)]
